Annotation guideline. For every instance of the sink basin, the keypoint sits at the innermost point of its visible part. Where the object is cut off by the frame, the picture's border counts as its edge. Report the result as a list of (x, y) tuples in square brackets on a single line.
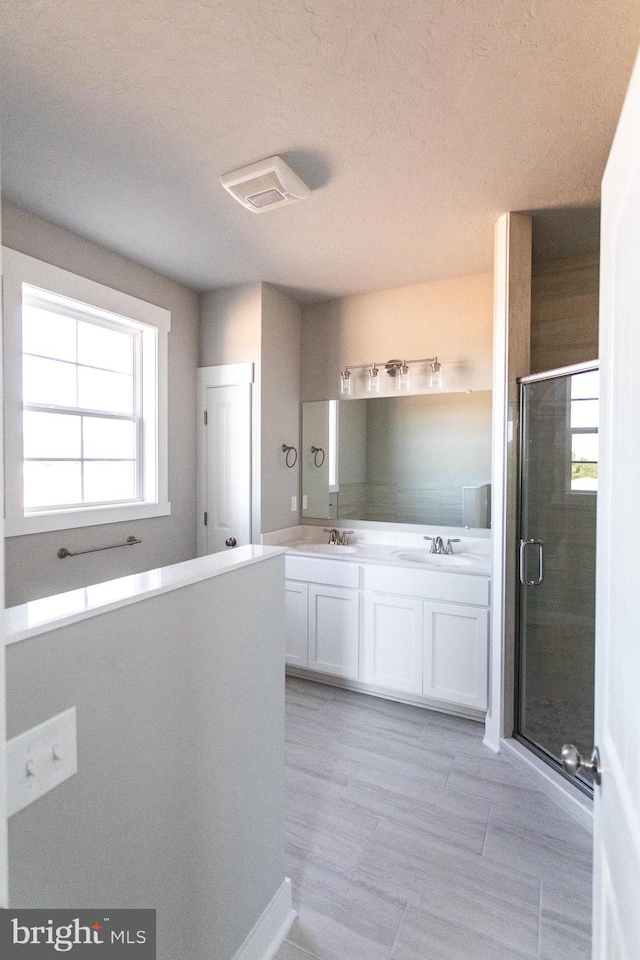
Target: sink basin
[(327, 549), (440, 559)]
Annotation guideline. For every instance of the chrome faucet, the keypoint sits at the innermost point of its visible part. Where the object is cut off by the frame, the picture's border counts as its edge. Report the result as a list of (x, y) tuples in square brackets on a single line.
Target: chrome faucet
[(339, 538), (437, 546)]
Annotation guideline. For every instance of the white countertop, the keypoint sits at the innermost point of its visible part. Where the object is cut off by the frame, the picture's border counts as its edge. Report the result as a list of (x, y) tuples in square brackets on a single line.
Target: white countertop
[(465, 561), (49, 613)]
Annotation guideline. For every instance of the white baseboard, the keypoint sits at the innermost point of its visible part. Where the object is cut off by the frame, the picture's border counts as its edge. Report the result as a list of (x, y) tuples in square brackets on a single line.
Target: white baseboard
[(267, 934), (553, 784)]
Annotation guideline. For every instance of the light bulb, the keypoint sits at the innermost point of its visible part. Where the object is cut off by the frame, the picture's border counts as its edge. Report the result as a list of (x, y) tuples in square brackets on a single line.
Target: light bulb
[(345, 382), (403, 376), (373, 379), (435, 375)]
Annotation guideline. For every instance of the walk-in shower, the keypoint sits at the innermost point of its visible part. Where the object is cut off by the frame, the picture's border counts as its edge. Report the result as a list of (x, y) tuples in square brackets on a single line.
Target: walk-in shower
[(557, 554)]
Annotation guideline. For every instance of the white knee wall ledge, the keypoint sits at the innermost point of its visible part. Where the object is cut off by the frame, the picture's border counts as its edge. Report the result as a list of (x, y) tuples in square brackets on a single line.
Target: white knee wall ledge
[(62, 609)]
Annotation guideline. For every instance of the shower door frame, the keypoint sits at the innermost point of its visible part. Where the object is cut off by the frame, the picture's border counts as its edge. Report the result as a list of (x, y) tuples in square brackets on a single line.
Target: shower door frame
[(552, 762)]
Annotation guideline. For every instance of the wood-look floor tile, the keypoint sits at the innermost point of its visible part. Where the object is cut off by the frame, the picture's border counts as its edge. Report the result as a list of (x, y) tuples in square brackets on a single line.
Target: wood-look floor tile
[(333, 834), (545, 842), (393, 707), (373, 718), (388, 863), (465, 890), (423, 934), (565, 919), (308, 692), (320, 760), (289, 951), (493, 778), (455, 819), (340, 918)]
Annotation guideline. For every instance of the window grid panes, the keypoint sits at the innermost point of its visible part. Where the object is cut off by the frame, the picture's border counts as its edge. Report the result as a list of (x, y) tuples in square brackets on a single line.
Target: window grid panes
[(81, 408), (584, 432)]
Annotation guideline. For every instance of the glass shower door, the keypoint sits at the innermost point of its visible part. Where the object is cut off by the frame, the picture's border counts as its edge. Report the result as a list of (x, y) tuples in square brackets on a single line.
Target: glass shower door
[(556, 610)]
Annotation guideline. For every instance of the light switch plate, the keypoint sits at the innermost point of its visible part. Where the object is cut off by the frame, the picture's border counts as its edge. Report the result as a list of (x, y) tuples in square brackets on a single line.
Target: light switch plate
[(41, 758), (304, 502), (294, 504)]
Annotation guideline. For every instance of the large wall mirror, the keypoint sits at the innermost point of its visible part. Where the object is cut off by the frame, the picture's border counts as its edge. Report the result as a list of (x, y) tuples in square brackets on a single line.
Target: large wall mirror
[(422, 459)]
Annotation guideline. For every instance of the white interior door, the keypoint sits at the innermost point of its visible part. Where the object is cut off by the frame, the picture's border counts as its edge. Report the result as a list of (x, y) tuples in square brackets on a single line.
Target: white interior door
[(617, 723), (224, 458)]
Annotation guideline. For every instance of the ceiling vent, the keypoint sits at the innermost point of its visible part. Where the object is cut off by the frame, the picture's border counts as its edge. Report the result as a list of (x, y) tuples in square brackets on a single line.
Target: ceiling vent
[(264, 185)]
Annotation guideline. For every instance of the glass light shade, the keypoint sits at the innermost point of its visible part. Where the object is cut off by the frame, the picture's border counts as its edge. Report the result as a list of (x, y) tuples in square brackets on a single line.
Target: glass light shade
[(345, 383), (403, 377), (373, 379), (435, 375)]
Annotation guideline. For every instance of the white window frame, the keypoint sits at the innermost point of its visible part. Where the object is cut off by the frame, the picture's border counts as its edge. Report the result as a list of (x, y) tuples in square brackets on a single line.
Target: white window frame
[(20, 269)]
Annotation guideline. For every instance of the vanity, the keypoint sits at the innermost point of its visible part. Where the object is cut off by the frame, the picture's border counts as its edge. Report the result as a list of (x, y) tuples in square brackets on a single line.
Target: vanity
[(395, 621), (384, 614)]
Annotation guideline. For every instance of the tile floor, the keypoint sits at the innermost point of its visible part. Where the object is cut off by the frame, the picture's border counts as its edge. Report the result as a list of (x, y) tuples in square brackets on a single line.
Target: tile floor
[(408, 839)]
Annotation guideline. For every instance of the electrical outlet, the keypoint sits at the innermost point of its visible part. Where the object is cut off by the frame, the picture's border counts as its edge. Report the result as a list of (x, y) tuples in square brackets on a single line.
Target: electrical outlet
[(41, 758), (294, 504)]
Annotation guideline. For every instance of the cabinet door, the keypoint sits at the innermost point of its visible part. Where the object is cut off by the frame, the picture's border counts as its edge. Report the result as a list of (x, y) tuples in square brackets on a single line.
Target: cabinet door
[(333, 630), (456, 649), (296, 601), (393, 642)]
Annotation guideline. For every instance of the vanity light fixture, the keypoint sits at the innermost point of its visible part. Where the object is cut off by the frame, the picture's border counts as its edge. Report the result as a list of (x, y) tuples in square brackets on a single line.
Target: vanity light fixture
[(394, 368), (345, 382)]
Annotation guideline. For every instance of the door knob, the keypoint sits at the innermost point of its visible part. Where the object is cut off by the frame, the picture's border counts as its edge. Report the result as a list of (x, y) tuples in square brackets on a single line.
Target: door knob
[(231, 542), (573, 762)]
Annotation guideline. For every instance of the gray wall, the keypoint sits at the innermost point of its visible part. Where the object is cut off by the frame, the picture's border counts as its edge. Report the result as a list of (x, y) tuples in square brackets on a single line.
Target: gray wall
[(259, 324), (280, 407), (32, 568), (178, 800)]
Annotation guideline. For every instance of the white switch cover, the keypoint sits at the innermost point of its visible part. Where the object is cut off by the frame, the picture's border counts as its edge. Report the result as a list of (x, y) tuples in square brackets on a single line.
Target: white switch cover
[(41, 758), (294, 504), (304, 502)]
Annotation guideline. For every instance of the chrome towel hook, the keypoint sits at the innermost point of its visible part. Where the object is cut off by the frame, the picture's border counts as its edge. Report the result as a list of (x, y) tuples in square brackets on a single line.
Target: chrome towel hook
[(316, 451), (291, 454)]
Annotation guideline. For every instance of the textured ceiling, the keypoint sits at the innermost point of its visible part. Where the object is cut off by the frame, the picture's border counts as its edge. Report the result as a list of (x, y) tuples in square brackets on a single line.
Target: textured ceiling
[(416, 123)]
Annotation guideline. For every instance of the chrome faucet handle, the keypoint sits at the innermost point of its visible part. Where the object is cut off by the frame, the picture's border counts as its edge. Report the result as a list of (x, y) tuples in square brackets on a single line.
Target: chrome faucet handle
[(434, 546), (449, 547), (343, 537), (333, 534)]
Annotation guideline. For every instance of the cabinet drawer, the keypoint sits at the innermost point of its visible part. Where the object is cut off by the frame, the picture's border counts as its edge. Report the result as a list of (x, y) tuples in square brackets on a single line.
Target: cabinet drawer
[(335, 573), (428, 584)]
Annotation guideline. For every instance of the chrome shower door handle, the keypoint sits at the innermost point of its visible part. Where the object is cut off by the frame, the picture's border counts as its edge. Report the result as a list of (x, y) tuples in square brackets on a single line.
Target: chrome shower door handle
[(523, 551)]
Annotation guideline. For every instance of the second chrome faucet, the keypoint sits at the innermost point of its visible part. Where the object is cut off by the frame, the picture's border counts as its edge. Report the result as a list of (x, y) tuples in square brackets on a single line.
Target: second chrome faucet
[(438, 546)]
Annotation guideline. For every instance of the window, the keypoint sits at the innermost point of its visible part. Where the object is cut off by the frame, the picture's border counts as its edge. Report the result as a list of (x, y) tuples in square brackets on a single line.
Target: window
[(584, 431), (85, 399)]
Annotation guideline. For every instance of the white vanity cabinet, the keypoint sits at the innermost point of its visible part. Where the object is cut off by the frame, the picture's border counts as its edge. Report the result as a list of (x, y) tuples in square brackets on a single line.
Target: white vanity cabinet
[(421, 633), (427, 632), (392, 647), (322, 605), (456, 654)]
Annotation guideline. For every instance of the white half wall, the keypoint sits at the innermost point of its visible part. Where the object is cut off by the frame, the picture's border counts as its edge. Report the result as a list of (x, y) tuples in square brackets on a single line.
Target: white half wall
[(178, 800)]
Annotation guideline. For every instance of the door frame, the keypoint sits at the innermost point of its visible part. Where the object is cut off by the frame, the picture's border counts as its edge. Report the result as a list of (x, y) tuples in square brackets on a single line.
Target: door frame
[(223, 375)]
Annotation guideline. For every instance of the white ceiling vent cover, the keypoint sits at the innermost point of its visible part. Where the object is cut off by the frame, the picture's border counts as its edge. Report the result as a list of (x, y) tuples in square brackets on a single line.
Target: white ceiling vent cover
[(264, 185)]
